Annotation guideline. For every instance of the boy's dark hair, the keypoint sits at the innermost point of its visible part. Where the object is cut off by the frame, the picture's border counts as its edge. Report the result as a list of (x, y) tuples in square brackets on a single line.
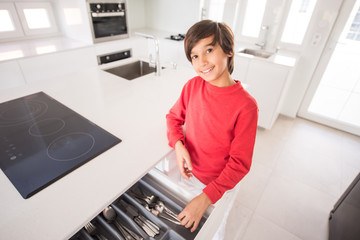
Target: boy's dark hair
[(206, 28)]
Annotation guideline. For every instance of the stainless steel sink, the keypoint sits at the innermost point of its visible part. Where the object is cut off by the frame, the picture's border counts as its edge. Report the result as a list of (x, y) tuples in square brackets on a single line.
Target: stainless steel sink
[(256, 52), (132, 70)]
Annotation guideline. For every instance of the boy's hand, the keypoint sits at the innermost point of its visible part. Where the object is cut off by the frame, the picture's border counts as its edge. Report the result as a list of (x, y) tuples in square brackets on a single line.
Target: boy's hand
[(192, 213), (183, 159)]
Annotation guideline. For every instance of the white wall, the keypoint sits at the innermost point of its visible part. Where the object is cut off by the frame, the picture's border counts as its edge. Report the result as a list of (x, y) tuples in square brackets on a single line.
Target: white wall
[(74, 19), (136, 14), (173, 16)]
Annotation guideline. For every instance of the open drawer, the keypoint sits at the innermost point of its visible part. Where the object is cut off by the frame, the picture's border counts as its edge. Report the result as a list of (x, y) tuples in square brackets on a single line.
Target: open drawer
[(130, 209), (162, 183)]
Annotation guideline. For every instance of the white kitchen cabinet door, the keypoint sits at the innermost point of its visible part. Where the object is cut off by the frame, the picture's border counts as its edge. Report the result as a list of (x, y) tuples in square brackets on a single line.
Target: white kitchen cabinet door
[(266, 83), (57, 64), (241, 65), (172, 52), (11, 75), (168, 50)]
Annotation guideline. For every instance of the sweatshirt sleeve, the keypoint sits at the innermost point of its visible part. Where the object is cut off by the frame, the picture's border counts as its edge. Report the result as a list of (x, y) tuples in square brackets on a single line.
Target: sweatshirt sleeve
[(240, 158), (175, 119)]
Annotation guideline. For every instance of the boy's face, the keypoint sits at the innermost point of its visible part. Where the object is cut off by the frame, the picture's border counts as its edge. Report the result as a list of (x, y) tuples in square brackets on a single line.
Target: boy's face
[(210, 62)]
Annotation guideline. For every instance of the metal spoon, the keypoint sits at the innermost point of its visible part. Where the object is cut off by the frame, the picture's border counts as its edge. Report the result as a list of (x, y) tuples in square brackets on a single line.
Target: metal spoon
[(110, 215), (160, 206), (159, 214), (157, 207)]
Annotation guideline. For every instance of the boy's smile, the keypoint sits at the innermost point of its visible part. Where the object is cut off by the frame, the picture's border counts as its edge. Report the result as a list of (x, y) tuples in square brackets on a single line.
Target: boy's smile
[(210, 62), (208, 70)]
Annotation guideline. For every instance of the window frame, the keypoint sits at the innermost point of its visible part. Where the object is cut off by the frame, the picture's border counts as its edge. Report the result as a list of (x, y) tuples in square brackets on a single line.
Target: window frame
[(18, 32), (276, 22), (20, 6), (22, 30), (293, 46)]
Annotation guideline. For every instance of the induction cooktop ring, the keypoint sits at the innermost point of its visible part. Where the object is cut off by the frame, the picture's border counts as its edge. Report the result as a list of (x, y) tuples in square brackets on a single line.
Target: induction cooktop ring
[(46, 127), (16, 113), (70, 146)]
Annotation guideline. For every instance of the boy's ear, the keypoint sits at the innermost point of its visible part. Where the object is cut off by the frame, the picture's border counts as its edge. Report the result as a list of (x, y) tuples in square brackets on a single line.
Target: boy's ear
[(231, 54)]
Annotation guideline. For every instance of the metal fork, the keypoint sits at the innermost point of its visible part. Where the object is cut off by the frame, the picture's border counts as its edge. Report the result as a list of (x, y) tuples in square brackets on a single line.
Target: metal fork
[(91, 229)]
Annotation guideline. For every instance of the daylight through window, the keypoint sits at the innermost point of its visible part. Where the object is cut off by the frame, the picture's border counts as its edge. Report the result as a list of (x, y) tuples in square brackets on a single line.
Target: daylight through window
[(23, 19), (37, 18), (6, 25), (253, 17), (298, 21), (354, 31)]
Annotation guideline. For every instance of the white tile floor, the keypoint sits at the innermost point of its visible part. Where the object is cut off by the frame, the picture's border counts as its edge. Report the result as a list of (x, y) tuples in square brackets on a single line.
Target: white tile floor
[(299, 170)]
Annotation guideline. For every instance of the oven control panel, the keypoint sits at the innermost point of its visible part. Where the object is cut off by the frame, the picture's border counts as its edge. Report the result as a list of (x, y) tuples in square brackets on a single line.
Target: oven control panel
[(108, 58), (107, 7)]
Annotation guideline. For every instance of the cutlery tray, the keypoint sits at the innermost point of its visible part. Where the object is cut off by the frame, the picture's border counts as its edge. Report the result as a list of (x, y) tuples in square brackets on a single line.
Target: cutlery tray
[(145, 186)]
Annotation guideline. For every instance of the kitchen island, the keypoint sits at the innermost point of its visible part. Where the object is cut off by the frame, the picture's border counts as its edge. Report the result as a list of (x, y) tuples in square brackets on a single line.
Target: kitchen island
[(133, 111)]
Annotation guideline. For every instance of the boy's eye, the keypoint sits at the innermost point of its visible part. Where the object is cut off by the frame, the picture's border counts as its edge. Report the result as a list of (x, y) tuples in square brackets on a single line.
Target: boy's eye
[(209, 50), (194, 57)]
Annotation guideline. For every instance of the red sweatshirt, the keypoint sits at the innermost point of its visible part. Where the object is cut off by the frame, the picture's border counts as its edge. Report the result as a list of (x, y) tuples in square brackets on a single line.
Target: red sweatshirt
[(220, 133)]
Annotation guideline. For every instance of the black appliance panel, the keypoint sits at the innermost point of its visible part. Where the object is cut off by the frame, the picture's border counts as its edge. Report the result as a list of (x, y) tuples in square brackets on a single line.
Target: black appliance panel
[(107, 7), (108, 20), (345, 216), (109, 26), (41, 140)]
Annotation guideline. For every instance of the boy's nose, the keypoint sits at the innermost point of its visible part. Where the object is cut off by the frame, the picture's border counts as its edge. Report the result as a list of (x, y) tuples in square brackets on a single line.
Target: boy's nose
[(203, 60)]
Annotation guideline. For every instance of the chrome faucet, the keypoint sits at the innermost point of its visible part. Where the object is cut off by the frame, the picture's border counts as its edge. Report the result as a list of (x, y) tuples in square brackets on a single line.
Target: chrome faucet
[(263, 37), (157, 57)]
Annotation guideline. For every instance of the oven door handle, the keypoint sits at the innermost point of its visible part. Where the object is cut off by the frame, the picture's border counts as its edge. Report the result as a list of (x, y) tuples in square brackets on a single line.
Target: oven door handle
[(107, 14)]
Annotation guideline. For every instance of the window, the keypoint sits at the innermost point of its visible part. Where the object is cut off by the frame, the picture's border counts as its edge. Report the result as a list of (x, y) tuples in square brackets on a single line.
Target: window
[(298, 21), (36, 18), (266, 23), (26, 19), (253, 18), (220, 11), (354, 31), (10, 25), (6, 22), (216, 10)]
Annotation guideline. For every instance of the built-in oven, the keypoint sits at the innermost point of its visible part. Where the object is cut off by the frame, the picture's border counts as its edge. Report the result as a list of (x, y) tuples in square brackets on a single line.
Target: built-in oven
[(108, 19)]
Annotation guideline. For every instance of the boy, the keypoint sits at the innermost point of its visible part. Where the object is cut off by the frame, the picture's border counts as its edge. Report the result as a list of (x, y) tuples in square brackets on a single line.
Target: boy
[(220, 118)]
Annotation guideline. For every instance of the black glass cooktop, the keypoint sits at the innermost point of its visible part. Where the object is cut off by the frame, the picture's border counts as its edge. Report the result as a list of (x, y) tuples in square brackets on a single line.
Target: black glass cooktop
[(41, 140)]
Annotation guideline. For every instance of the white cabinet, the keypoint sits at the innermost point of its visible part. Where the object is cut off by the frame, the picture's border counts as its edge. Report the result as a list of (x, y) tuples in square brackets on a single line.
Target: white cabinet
[(57, 64), (169, 50), (266, 83), (241, 65), (172, 51), (23, 71), (11, 75)]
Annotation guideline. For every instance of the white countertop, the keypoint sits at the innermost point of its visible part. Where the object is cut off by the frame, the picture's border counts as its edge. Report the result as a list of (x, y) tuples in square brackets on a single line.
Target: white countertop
[(131, 110), (281, 57), (35, 47)]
